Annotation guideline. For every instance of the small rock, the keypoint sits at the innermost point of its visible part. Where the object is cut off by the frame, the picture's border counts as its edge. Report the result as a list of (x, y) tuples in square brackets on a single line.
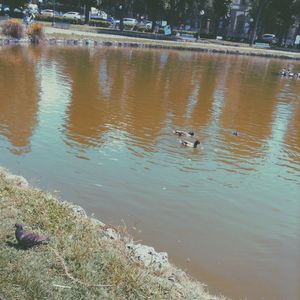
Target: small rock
[(97, 222), (18, 180), (78, 210), (148, 256), (172, 278), (112, 234)]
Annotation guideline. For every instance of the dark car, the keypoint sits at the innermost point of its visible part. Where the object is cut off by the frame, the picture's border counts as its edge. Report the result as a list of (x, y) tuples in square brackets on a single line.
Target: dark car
[(4, 9), (269, 38)]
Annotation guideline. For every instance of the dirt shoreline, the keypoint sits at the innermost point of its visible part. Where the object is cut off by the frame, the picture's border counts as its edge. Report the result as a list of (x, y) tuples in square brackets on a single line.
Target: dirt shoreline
[(83, 251), (87, 36)]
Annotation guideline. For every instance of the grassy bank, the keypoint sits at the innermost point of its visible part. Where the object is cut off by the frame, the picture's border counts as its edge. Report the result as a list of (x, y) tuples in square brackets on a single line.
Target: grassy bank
[(81, 261), (79, 33)]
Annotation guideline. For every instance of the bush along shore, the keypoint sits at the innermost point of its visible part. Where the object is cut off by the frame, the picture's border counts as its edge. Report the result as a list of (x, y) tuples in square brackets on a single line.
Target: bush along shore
[(85, 259)]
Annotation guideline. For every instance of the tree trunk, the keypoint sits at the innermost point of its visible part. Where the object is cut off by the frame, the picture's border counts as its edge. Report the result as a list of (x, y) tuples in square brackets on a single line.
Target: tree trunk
[(87, 13), (261, 6)]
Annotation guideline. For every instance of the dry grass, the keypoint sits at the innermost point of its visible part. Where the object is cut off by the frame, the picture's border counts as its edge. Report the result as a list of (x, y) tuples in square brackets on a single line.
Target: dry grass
[(36, 33), (78, 263), (13, 28)]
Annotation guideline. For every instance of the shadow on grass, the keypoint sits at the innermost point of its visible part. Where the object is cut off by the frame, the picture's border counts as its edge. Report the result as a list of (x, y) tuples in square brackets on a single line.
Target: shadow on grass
[(17, 246)]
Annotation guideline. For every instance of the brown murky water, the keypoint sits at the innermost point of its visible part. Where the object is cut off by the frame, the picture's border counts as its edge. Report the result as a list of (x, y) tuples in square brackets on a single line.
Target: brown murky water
[(97, 125)]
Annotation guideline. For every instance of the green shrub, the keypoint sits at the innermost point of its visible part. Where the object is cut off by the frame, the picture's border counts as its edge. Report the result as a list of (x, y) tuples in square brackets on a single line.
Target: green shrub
[(13, 28), (142, 28), (99, 23), (129, 27), (59, 19)]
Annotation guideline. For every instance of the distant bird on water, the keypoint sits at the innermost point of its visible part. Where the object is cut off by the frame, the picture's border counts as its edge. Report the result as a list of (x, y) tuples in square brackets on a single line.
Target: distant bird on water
[(190, 144), (29, 239), (184, 133), (235, 133)]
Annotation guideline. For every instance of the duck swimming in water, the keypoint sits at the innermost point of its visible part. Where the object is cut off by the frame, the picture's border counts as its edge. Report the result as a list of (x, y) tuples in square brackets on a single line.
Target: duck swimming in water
[(189, 144), (184, 133), (289, 73), (283, 72)]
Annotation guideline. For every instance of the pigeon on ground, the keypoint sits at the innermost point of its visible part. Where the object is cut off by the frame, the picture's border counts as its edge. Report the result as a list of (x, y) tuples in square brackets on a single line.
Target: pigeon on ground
[(29, 239)]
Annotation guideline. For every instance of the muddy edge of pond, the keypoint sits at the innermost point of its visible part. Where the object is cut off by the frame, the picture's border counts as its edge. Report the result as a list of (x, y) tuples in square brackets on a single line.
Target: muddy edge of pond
[(205, 47), (147, 257)]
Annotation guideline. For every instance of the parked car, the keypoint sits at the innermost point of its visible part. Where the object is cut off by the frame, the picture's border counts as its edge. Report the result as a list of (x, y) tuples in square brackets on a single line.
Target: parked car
[(73, 15), (130, 21), (18, 12), (269, 38), (96, 14), (111, 20), (146, 23), (5, 9), (127, 21), (33, 8), (49, 13)]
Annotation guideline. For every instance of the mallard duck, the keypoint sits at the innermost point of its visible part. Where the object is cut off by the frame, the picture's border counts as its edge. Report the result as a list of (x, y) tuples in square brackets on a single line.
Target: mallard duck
[(283, 72), (184, 133), (189, 144)]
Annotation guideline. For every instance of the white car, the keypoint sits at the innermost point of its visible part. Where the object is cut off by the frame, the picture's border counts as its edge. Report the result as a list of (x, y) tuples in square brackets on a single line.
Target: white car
[(72, 15), (130, 21), (126, 21), (49, 13), (148, 24), (33, 8)]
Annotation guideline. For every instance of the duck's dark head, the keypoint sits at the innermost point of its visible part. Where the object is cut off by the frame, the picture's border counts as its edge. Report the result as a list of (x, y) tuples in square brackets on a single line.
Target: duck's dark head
[(191, 133), (196, 143), (19, 226)]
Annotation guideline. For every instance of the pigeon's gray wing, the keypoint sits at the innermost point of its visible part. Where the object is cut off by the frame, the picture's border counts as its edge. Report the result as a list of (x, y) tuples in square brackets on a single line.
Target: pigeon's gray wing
[(31, 239)]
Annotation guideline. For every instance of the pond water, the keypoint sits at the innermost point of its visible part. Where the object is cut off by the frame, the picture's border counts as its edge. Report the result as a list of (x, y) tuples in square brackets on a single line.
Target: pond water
[(95, 126)]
